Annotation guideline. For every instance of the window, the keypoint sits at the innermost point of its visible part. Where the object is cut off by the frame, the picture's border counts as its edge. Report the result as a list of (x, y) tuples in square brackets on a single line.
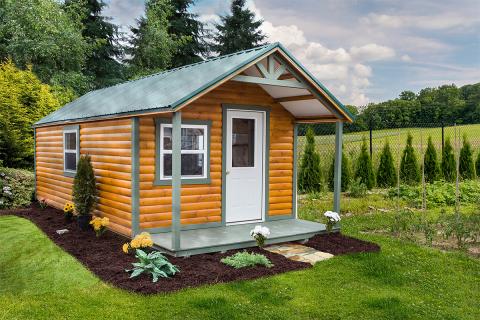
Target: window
[(243, 142), (194, 152), (70, 149)]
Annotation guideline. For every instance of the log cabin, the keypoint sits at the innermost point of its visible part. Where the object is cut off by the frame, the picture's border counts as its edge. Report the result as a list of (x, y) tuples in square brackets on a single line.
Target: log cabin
[(196, 155)]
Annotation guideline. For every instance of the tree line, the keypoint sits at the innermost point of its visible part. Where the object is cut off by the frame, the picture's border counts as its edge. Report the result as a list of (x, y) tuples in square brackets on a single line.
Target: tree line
[(410, 170)]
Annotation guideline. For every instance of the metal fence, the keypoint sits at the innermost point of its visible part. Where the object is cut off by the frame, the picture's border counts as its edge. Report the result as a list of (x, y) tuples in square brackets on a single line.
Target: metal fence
[(424, 196)]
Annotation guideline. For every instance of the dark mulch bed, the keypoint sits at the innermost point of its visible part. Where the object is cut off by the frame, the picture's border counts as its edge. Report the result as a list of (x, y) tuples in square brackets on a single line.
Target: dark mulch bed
[(337, 244), (104, 256)]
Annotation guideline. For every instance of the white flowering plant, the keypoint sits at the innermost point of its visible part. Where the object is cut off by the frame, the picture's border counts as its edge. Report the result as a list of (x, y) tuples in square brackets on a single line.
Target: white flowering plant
[(332, 219), (260, 234)]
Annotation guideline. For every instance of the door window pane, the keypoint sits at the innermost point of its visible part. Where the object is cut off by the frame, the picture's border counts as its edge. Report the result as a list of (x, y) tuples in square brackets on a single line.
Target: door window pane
[(70, 161), (243, 142), (70, 141), (192, 165)]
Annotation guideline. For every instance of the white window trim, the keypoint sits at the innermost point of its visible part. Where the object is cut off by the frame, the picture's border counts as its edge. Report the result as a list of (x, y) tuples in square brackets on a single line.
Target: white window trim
[(162, 151), (76, 151)]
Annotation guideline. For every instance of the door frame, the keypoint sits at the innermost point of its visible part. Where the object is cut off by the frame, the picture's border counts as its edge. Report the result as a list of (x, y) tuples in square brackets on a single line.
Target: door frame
[(266, 148)]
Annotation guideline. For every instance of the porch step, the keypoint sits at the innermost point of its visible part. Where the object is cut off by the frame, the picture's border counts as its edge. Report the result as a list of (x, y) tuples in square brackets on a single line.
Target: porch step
[(298, 252)]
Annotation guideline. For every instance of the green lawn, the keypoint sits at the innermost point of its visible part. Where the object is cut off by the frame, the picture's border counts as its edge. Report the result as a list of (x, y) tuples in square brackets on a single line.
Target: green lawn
[(405, 281)]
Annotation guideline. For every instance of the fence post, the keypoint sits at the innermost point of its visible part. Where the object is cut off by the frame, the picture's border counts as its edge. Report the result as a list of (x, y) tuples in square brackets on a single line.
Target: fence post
[(337, 180), (443, 136)]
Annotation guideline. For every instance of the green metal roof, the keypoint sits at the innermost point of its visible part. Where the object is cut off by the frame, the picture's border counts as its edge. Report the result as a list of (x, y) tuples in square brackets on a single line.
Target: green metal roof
[(161, 91)]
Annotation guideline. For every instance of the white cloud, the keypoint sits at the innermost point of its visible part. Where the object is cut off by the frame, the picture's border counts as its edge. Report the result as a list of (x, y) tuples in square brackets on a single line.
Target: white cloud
[(406, 58), (372, 52)]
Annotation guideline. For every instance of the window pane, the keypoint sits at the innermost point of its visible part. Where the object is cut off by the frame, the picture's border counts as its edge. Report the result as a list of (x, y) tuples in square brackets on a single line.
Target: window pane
[(192, 139), (243, 142), (167, 138), (192, 165), (70, 141), (70, 161)]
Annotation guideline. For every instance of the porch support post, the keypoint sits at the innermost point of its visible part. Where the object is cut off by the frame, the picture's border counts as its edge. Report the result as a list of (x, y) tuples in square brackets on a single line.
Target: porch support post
[(337, 181), (176, 177), (135, 176)]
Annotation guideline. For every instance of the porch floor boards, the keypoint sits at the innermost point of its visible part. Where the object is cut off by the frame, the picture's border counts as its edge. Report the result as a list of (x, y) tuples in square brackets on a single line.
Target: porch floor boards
[(224, 238)]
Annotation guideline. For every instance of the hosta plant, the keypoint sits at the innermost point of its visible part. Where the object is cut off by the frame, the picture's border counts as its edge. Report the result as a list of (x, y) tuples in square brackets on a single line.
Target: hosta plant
[(332, 219), (245, 259), (153, 263), (260, 234)]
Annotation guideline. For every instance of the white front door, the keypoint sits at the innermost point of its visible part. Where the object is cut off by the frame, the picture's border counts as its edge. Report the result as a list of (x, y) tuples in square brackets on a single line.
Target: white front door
[(245, 156)]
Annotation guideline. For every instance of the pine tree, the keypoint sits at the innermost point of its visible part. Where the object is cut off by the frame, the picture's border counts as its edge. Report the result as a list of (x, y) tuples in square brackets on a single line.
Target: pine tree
[(466, 164), (364, 171), (448, 162), (409, 170), (186, 24), (432, 169), (310, 174), (237, 31), (84, 188), (102, 36), (346, 174), (386, 174)]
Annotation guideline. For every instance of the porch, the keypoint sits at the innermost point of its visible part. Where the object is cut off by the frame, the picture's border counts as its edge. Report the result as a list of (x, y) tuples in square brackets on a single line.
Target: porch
[(224, 238)]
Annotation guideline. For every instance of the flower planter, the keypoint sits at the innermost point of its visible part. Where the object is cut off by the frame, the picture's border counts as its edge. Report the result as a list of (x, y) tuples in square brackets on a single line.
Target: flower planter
[(84, 221)]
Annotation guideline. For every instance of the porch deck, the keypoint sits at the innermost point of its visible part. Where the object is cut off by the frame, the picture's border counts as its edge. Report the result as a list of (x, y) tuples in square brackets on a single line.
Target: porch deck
[(224, 238)]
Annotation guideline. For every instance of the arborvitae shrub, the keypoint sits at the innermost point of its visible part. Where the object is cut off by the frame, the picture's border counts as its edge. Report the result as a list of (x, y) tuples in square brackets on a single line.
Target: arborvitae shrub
[(364, 170), (409, 170), (346, 174), (386, 174), (448, 162), (432, 169), (466, 165), (310, 174), (84, 188), (477, 165)]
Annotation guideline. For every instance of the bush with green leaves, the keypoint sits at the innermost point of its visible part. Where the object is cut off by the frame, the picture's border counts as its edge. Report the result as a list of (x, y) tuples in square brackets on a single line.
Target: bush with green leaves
[(386, 173), (346, 173), (246, 259), (409, 170), (16, 188), (432, 169), (466, 164), (153, 263), (364, 171), (357, 189), (84, 193), (460, 226), (448, 162), (310, 173)]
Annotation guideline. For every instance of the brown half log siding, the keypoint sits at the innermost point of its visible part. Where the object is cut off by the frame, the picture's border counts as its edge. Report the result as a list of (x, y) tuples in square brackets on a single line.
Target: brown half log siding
[(109, 145)]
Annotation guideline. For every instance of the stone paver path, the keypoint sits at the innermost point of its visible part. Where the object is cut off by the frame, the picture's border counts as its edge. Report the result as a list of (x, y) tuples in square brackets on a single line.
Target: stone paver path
[(298, 252)]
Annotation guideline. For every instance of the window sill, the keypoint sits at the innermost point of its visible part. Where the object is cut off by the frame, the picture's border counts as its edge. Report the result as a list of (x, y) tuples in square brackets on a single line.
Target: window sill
[(69, 174), (159, 182)]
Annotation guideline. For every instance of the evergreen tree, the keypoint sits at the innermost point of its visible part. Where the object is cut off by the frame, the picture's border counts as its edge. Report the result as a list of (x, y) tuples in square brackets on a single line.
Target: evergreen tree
[(364, 171), (310, 174), (432, 170), (237, 31), (466, 164), (477, 165), (151, 46), (184, 24), (84, 193), (102, 35), (448, 162), (386, 174), (409, 170), (346, 174)]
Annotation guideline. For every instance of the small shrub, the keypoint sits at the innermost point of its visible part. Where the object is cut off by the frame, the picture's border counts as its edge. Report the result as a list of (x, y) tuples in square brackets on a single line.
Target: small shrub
[(409, 170), (402, 225), (43, 204), (84, 187), (346, 173), (466, 165), (428, 228), (310, 173), (448, 162), (357, 189), (154, 263), (432, 169), (260, 234), (100, 225), (142, 240), (456, 225), (364, 170), (245, 259), (332, 219), (16, 188), (386, 174)]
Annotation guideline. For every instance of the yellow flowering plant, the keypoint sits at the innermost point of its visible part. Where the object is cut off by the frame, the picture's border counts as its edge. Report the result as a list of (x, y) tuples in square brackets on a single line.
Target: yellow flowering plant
[(69, 211), (142, 240), (99, 225)]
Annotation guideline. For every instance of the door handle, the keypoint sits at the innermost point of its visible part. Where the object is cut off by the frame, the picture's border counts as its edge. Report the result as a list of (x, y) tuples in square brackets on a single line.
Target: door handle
[(227, 172)]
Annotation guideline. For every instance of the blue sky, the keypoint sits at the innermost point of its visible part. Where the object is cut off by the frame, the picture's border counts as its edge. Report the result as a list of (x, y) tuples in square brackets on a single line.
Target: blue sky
[(363, 50)]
